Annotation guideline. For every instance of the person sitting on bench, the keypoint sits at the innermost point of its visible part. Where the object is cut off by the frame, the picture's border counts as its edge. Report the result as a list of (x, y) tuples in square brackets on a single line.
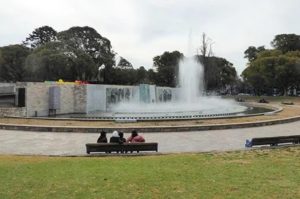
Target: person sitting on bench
[(135, 137), (102, 138), (121, 134), (115, 138), (248, 143), (263, 100)]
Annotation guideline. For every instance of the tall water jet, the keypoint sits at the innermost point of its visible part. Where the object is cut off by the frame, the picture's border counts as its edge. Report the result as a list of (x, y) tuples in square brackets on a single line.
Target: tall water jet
[(191, 82)]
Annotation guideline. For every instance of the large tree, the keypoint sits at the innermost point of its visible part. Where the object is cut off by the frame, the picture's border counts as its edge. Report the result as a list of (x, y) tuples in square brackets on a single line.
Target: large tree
[(252, 51), (167, 68), (218, 73), (40, 36), (91, 42), (152, 76), (205, 49), (141, 74), (274, 69), (12, 61), (55, 60), (124, 64), (286, 42)]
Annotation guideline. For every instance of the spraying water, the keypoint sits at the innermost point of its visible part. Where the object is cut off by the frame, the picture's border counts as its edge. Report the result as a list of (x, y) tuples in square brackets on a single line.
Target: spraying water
[(191, 82)]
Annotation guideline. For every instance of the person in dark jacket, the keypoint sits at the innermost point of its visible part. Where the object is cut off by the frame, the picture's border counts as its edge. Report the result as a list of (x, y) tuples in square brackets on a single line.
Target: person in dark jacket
[(121, 134), (102, 138), (115, 138)]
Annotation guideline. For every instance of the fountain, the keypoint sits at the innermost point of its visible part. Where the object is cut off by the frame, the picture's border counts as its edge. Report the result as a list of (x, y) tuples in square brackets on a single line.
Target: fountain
[(185, 102)]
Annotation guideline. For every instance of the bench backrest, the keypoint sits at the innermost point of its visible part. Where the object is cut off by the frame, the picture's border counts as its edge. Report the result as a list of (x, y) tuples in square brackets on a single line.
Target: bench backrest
[(275, 140), (103, 147)]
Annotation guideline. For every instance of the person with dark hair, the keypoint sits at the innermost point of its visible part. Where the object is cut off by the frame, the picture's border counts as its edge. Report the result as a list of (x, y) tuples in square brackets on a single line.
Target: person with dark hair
[(121, 134), (102, 138), (135, 137), (115, 138)]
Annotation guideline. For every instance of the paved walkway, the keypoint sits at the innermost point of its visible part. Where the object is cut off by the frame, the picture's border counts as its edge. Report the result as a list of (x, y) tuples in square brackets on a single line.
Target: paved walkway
[(48, 143)]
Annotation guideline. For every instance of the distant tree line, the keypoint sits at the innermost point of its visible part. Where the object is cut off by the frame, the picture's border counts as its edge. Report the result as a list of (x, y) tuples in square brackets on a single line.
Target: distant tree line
[(81, 53), (275, 70)]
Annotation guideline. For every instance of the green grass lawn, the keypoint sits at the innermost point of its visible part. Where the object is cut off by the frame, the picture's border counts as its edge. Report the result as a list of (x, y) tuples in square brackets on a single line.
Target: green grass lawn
[(273, 173)]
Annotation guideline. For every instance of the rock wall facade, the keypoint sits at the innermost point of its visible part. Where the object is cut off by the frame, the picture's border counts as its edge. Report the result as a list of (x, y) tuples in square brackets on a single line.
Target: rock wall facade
[(13, 112)]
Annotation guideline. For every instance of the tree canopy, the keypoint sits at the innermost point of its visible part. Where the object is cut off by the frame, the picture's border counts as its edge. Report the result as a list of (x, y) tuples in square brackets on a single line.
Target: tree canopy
[(124, 63), (55, 60), (286, 42), (40, 36), (218, 73), (91, 42), (167, 68), (252, 51), (277, 68), (12, 62)]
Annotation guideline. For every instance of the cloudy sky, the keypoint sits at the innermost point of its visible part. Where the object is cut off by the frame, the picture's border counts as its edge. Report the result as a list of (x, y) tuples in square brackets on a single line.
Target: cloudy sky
[(142, 29)]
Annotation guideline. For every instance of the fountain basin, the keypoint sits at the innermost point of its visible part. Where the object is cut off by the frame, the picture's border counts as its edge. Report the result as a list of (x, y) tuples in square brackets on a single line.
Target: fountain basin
[(244, 110)]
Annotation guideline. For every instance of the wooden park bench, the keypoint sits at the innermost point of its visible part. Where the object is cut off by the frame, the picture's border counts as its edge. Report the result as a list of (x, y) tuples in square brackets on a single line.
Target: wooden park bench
[(287, 103), (122, 148), (263, 100), (274, 141)]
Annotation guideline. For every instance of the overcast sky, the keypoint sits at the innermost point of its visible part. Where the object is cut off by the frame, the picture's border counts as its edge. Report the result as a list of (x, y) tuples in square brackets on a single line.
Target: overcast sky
[(142, 29)]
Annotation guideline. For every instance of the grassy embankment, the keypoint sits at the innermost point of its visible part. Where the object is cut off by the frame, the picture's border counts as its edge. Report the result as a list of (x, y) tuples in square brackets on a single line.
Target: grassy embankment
[(247, 174)]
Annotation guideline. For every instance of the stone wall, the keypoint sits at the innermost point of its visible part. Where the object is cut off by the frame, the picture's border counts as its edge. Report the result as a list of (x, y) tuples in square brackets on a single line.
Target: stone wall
[(80, 98), (12, 112), (37, 99), (67, 99), (6, 88), (72, 98)]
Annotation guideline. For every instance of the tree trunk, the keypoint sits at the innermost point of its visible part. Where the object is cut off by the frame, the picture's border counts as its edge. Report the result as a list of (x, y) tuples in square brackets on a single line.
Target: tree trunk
[(285, 91)]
